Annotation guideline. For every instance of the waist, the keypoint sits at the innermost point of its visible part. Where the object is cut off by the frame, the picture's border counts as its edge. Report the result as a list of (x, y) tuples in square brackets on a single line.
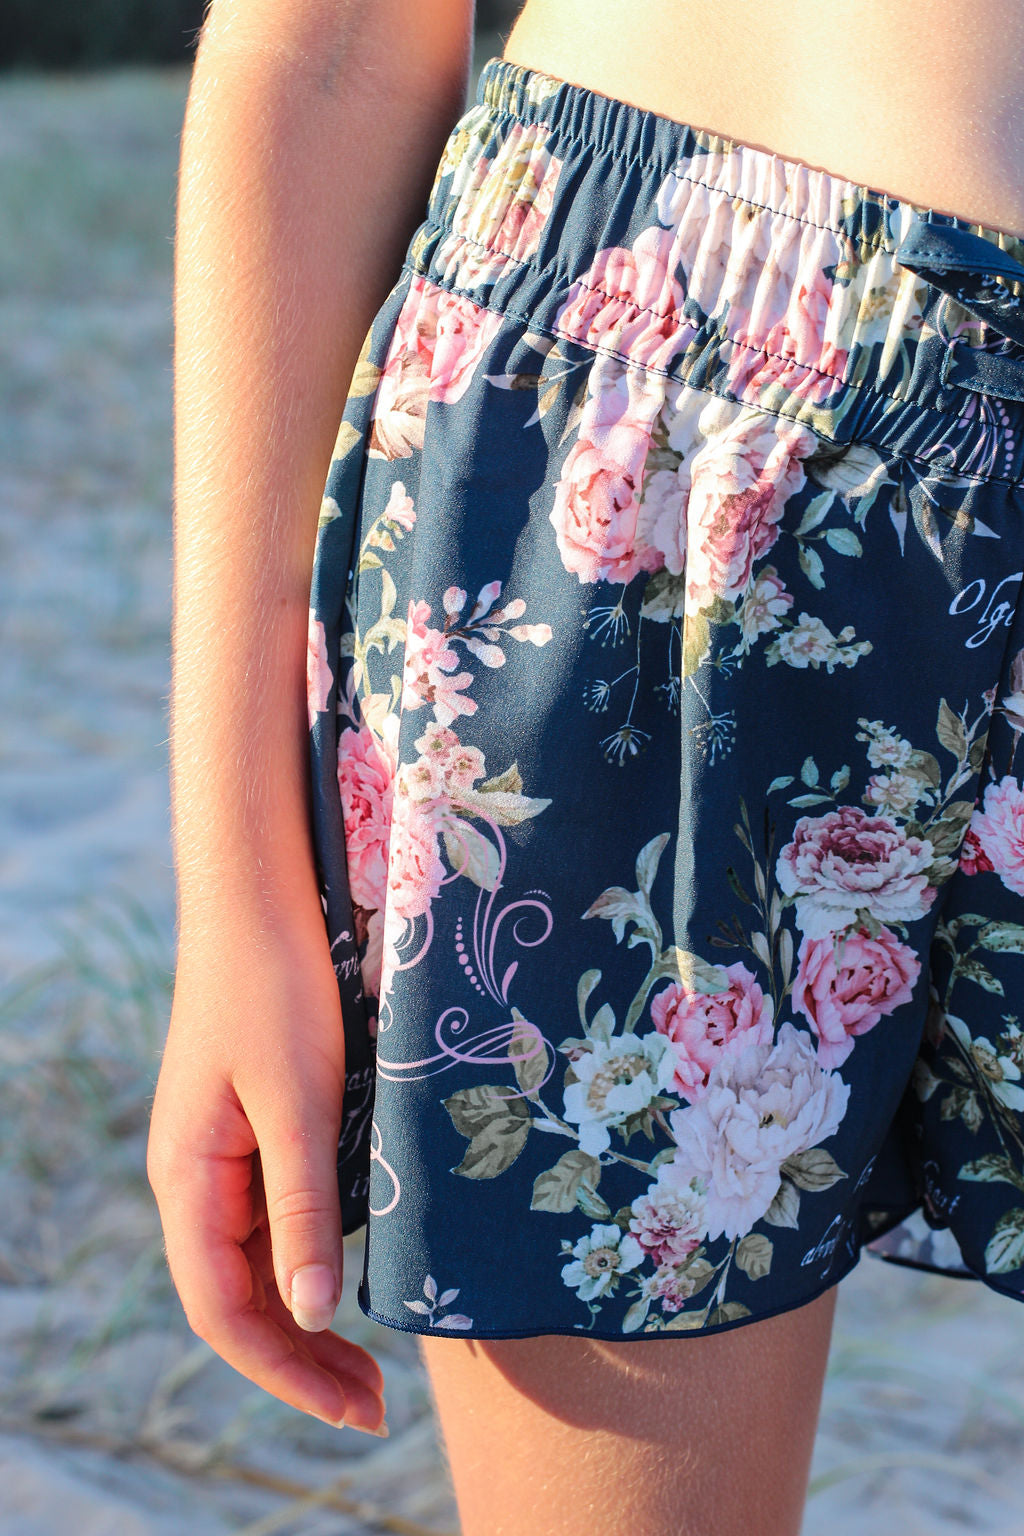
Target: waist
[(761, 280), (932, 115)]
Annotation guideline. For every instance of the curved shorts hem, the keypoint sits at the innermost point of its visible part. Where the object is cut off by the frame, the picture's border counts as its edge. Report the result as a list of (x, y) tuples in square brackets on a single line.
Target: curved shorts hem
[(405, 1325), (605, 1334)]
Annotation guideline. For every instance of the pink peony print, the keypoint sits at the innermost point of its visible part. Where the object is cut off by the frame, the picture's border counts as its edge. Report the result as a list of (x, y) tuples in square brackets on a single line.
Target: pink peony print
[(847, 861), (668, 1221), (437, 344), (629, 300), (973, 858), (661, 523), (999, 830), (843, 987), (535, 180), (796, 353), (415, 869), (366, 781), (741, 481), (702, 1025), (318, 673), (597, 499), (763, 1104)]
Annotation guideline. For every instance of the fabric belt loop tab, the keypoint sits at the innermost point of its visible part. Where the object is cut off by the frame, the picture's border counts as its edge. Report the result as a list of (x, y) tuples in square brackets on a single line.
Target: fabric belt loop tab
[(987, 373), (967, 267)]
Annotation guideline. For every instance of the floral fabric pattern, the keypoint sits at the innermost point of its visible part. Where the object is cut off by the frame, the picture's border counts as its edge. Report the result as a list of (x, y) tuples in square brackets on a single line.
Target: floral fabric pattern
[(665, 687)]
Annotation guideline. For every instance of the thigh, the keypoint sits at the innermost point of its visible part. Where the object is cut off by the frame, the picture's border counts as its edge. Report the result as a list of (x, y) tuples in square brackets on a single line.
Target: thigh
[(698, 1436)]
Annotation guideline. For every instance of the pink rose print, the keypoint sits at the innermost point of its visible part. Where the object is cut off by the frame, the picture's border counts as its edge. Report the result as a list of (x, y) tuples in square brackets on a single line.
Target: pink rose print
[(597, 497), (848, 860), (318, 673), (999, 831), (629, 301), (741, 481), (502, 204), (416, 870), (843, 987), (438, 341), (668, 1221), (429, 660), (524, 168), (796, 354), (662, 518), (701, 1026), (366, 782)]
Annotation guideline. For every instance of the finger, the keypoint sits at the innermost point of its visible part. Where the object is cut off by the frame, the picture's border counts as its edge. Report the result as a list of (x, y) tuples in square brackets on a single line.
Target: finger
[(346, 1358), (364, 1403), (297, 1134), (206, 1210)]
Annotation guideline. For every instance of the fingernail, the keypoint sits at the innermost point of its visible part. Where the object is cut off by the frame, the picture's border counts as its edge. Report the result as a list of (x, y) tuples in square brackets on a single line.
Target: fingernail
[(381, 1429), (334, 1423), (314, 1297)]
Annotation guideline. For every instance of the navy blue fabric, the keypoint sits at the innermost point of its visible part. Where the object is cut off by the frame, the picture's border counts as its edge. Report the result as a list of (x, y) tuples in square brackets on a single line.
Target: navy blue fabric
[(666, 685)]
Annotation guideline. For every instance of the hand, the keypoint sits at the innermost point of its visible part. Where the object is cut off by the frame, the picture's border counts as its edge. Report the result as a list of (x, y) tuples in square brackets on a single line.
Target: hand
[(241, 1159)]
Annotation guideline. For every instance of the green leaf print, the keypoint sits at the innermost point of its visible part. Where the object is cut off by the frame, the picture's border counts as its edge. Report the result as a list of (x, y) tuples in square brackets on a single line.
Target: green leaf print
[(812, 566), (950, 730), (636, 1315), (648, 860), (754, 1255), (946, 835), (844, 541), (813, 1169), (496, 1125), (1003, 937), (664, 597), (992, 1169), (784, 1210), (975, 971), (728, 1312), (471, 854), (1005, 1250), (530, 1064), (815, 512), (557, 1189)]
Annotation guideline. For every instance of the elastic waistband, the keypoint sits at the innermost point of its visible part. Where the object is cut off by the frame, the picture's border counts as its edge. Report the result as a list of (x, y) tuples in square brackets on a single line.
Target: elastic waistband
[(577, 114), (734, 269)]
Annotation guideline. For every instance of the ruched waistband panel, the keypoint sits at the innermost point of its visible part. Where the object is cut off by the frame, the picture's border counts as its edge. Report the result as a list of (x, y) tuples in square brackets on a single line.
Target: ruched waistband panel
[(733, 269)]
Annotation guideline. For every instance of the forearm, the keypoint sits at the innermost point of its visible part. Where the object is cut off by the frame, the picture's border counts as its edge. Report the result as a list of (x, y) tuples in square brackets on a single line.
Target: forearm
[(311, 138)]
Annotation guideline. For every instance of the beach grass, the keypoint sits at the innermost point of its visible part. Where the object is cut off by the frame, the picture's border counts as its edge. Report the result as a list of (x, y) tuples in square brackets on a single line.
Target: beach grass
[(924, 1403)]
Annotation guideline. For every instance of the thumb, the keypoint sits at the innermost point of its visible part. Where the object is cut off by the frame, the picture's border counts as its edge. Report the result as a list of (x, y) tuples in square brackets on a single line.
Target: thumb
[(298, 1157)]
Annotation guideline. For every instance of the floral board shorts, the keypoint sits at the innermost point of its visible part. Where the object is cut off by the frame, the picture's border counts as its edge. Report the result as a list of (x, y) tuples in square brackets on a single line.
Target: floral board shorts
[(666, 692)]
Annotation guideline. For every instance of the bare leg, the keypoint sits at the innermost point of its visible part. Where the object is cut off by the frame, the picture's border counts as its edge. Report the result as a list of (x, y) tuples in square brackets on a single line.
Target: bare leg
[(565, 1436)]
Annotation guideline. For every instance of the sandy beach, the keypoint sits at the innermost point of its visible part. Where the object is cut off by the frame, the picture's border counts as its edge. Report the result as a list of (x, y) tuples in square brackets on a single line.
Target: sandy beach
[(115, 1420)]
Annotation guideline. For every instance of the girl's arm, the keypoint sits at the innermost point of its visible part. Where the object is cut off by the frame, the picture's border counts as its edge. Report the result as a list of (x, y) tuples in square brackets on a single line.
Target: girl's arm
[(312, 133)]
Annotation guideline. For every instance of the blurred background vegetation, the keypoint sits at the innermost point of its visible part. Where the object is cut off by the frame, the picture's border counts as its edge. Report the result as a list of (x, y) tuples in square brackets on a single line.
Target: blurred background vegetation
[(109, 1406), (89, 34)]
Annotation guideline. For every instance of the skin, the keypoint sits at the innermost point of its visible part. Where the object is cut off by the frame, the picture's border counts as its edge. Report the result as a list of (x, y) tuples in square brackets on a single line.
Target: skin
[(923, 99), (312, 133), (311, 138)]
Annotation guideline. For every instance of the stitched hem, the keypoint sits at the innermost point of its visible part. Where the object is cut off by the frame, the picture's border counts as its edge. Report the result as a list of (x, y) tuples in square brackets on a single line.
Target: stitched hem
[(886, 450), (404, 1326)]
